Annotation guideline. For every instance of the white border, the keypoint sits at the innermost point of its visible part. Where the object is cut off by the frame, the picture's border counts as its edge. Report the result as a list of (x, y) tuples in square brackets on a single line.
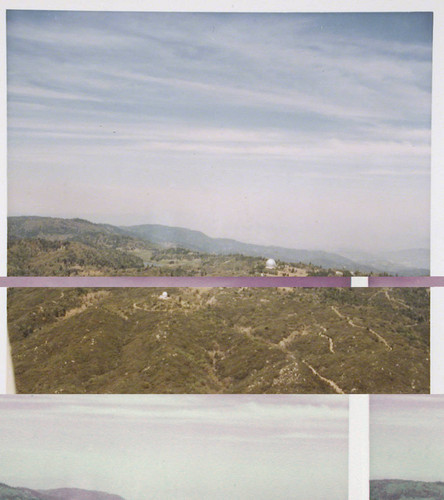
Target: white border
[(311, 6), (358, 447), (4, 347), (3, 203), (359, 282), (436, 341), (437, 177)]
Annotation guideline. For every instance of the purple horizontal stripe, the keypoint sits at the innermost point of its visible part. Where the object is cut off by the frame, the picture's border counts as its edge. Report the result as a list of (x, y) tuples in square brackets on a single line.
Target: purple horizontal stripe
[(163, 281), (405, 281)]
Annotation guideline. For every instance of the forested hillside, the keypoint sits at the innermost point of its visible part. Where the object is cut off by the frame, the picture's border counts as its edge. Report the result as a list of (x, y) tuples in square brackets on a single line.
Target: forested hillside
[(220, 340), (69, 247)]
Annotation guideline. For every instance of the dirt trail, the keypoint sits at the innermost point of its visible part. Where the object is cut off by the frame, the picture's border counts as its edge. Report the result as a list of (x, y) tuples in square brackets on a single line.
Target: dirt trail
[(121, 314), (285, 342), (212, 369), (332, 384), (350, 322), (61, 297), (283, 345), (337, 312), (144, 307), (382, 339), (396, 301), (331, 345), (375, 294)]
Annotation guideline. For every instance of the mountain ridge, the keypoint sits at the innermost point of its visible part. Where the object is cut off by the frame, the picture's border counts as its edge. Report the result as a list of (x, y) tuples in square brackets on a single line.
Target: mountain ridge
[(190, 239), (21, 493), (404, 489)]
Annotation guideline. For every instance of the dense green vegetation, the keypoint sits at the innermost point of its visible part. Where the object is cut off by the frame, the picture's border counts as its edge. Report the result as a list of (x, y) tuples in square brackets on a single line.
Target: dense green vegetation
[(58, 247), (220, 340), (394, 489), (39, 257)]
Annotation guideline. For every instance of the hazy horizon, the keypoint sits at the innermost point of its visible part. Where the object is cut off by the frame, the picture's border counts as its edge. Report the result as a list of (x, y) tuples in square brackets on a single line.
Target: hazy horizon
[(407, 437), (293, 130), (352, 248), (178, 446)]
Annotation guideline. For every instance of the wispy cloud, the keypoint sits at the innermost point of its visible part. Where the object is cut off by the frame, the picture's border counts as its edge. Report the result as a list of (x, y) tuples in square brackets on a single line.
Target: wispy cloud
[(174, 445), (406, 436), (322, 97)]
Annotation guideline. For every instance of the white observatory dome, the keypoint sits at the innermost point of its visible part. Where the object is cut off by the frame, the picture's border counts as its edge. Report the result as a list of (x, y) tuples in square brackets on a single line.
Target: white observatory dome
[(270, 264), (164, 295)]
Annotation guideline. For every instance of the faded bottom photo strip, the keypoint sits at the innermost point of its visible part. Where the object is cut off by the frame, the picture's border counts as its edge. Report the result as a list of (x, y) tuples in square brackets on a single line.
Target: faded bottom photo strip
[(406, 447), (192, 447), (220, 340)]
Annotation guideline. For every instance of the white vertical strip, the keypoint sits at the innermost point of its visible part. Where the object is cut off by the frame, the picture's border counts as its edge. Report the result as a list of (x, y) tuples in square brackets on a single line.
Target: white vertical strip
[(3, 144), (3, 200), (10, 379), (437, 184), (4, 350), (437, 207), (436, 340), (358, 447), (229, 5)]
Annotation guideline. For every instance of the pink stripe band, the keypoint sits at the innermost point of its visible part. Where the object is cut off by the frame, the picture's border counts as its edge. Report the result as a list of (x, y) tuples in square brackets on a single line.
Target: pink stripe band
[(216, 281), (164, 281)]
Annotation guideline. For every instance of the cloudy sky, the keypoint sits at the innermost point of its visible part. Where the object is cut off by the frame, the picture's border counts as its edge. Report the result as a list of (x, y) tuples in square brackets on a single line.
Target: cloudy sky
[(194, 447), (308, 131), (407, 437)]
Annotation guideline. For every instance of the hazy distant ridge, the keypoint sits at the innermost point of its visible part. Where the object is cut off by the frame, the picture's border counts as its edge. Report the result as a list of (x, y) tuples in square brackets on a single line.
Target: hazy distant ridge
[(11, 493), (398, 489), (196, 240), (405, 262)]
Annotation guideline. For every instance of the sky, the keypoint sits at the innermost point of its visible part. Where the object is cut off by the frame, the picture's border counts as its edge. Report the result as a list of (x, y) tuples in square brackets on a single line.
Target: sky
[(299, 130), (407, 437), (193, 447)]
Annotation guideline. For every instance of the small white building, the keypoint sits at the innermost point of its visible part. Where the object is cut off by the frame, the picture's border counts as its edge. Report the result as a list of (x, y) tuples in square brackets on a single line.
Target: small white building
[(270, 264), (164, 296)]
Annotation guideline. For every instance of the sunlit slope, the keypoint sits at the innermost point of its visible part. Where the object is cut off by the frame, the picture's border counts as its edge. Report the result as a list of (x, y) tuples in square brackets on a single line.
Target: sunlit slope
[(220, 340)]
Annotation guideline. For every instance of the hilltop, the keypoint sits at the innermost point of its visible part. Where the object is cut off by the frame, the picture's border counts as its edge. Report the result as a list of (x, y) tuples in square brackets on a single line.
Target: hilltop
[(55, 246), (397, 489)]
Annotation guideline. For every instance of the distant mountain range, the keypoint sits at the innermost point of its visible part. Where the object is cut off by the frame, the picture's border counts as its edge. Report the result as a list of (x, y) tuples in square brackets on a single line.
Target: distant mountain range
[(11, 493), (411, 262), (406, 262), (398, 489)]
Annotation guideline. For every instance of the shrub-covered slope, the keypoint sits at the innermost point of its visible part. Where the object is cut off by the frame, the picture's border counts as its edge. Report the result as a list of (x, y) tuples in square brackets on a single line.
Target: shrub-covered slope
[(220, 340)]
